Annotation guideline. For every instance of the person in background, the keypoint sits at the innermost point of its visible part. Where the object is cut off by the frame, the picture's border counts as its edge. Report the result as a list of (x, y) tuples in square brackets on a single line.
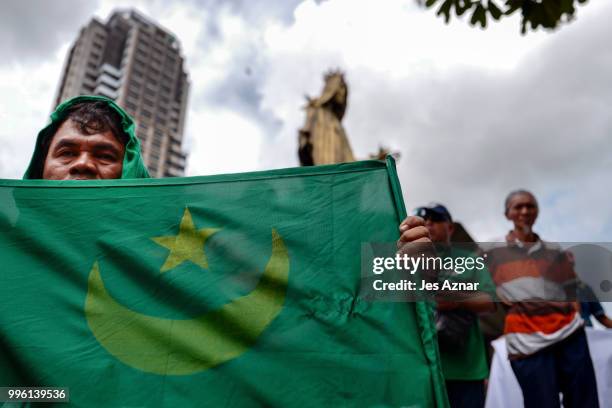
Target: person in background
[(462, 347), (544, 332), (590, 306)]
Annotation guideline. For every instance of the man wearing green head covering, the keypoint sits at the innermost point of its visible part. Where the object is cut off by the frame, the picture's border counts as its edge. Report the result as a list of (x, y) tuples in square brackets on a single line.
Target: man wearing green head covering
[(89, 138)]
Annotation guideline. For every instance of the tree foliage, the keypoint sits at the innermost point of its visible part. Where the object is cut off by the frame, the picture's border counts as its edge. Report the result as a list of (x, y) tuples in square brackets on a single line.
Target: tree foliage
[(547, 14)]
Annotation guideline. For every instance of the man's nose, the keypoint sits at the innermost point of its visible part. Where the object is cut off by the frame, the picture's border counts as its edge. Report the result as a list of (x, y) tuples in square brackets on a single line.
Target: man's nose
[(83, 165)]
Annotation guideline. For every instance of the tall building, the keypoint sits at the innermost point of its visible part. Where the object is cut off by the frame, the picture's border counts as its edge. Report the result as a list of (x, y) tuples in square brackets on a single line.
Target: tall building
[(138, 64)]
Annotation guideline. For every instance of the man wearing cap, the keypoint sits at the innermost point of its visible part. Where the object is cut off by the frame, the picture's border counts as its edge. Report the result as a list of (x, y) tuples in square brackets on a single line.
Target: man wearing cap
[(544, 332), (462, 348)]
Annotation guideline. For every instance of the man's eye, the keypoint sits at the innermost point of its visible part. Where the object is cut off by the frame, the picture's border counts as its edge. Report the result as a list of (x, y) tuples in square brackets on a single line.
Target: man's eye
[(108, 157), (67, 153)]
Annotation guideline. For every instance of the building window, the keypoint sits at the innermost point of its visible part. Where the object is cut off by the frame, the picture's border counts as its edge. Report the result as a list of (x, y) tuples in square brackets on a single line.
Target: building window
[(142, 136), (140, 62), (157, 142), (154, 72), (133, 95), (157, 60), (154, 160)]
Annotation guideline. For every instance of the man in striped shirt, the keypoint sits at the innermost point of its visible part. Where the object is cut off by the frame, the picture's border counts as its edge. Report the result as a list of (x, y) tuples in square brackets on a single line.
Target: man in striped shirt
[(545, 335)]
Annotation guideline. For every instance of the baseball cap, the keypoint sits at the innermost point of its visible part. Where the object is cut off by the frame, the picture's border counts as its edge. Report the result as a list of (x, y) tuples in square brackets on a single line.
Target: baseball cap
[(435, 212)]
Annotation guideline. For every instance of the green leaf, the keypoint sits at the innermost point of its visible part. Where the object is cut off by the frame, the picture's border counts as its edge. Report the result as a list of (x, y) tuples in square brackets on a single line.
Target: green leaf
[(567, 6), (494, 10), (445, 10), (513, 5), (479, 16), (460, 9), (550, 14), (535, 14)]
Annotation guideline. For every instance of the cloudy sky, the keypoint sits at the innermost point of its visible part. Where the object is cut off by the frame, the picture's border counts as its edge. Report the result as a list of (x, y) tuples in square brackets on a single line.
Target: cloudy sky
[(474, 113)]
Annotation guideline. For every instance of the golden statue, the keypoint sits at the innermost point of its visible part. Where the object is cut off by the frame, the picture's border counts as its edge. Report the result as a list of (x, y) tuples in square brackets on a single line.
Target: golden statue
[(322, 140)]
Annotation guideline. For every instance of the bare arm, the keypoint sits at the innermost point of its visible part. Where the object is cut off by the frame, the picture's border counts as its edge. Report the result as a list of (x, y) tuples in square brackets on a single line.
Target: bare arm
[(604, 320)]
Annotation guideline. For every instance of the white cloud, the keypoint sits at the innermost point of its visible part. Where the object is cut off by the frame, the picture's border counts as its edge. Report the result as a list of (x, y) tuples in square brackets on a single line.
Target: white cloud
[(225, 143), (26, 99), (398, 38)]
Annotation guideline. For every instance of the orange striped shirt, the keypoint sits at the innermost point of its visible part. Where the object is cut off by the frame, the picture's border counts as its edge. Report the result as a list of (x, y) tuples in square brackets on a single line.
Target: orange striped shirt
[(537, 279)]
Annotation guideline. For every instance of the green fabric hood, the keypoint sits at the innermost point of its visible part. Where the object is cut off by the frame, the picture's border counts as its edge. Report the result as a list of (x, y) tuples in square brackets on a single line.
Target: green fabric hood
[(133, 164)]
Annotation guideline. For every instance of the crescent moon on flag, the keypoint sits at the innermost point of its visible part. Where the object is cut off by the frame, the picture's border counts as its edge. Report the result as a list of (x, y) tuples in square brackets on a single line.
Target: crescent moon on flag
[(182, 347)]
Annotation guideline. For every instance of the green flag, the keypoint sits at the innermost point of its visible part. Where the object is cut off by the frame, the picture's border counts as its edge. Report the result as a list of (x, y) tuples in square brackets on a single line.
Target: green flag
[(231, 290)]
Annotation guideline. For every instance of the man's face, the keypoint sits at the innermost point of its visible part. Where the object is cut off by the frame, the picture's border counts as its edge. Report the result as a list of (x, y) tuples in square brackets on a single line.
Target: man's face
[(76, 156), (522, 211), (440, 231)]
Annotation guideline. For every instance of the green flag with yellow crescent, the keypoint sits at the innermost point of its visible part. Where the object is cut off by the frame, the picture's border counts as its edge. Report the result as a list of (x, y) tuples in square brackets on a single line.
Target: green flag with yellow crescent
[(232, 290)]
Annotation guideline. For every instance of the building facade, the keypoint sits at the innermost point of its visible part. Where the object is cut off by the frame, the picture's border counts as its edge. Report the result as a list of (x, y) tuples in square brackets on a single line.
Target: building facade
[(138, 64)]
